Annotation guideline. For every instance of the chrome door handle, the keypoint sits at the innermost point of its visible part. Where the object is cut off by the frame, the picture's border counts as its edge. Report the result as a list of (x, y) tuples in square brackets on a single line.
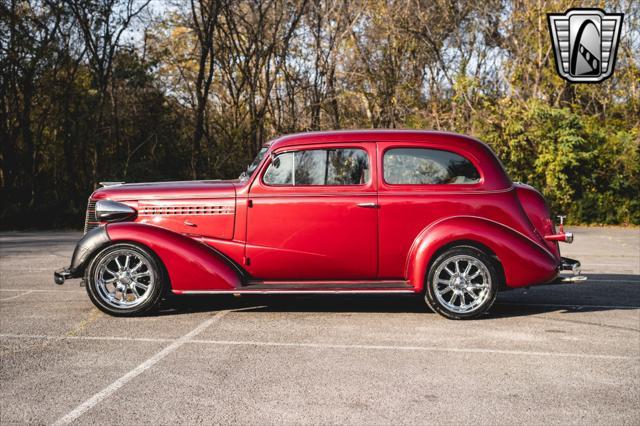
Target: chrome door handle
[(187, 223), (368, 205)]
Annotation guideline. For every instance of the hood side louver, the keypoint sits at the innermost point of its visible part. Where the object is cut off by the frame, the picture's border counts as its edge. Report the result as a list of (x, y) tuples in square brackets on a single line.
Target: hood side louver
[(186, 209)]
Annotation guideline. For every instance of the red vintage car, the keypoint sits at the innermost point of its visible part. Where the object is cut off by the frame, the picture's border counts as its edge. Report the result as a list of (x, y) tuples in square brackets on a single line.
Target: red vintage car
[(427, 213)]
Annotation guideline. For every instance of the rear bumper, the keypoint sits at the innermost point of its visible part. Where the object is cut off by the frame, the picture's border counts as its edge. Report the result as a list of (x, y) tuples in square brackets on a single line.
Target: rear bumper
[(569, 272)]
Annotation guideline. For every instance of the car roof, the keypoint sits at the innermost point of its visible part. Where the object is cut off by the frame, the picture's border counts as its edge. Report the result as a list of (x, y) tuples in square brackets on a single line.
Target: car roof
[(362, 135), (491, 169)]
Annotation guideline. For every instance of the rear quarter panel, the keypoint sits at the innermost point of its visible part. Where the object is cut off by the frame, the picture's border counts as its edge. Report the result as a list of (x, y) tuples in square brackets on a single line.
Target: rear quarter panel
[(404, 215), (524, 261), (416, 220)]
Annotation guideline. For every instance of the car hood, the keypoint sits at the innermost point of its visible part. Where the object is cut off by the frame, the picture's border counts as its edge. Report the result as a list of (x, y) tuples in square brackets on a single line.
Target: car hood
[(167, 190)]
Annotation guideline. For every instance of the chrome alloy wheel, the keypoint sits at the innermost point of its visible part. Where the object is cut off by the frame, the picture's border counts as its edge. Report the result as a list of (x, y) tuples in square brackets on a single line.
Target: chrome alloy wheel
[(462, 284), (124, 278)]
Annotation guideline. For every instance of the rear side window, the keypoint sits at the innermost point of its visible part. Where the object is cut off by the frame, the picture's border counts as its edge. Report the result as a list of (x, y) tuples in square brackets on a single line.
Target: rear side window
[(419, 166), (319, 167)]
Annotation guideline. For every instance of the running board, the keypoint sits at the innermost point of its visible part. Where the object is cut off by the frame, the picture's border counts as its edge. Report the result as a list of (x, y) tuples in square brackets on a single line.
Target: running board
[(327, 287)]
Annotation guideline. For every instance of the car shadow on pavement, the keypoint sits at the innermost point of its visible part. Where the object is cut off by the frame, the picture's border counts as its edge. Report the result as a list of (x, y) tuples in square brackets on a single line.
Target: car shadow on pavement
[(296, 303), (602, 292)]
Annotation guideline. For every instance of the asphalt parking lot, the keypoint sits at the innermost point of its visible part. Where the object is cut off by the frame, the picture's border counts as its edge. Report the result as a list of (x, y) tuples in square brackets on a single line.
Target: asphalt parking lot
[(555, 354)]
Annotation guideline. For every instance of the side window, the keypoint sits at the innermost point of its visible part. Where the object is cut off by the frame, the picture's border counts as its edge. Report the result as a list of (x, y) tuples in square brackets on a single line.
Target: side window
[(310, 167), (419, 166), (347, 167), (280, 171), (319, 167)]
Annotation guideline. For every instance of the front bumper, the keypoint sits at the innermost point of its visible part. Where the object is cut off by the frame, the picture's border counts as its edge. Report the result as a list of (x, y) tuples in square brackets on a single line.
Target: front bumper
[(61, 275)]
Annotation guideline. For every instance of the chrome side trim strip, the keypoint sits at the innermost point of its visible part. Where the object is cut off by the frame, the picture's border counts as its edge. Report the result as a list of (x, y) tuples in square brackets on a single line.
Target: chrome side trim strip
[(381, 291), (335, 284)]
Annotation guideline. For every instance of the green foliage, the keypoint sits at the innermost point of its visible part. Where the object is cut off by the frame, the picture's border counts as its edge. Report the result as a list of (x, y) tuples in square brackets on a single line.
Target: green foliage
[(586, 167)]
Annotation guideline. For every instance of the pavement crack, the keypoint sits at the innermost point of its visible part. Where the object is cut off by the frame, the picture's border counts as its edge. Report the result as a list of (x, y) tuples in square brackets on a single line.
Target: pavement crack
[(94, 314), (617, 327)]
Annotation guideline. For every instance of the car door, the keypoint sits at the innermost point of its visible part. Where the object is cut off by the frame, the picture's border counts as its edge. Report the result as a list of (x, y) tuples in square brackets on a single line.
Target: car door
[(313, 215)]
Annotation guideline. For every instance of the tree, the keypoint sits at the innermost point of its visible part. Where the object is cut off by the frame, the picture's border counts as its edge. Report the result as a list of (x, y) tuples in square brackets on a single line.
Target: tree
[(204, 20), (102, 25)]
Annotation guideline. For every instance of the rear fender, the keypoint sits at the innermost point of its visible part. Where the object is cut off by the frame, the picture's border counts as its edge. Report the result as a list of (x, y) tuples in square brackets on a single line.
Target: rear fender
[(191, 264), (523, 261)]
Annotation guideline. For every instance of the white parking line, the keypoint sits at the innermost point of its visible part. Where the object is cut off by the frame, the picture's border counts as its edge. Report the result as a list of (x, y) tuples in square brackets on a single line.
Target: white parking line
[(113, 387), (97, 338), (623, 261), (27, 269), (413, 348), (324, 346), (563, 305), (42, 291), (16, 296)]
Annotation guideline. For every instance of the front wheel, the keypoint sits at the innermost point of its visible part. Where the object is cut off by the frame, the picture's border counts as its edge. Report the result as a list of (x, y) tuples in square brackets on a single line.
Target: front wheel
[(125, 280), (462, 283)]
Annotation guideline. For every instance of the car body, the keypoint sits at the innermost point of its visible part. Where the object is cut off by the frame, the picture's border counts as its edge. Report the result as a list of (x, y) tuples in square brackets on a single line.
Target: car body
[(368, 211)]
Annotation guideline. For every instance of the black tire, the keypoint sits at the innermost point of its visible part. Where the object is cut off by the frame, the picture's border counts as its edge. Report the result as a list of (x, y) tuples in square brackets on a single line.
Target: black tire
[(156, 270), (487, 296)]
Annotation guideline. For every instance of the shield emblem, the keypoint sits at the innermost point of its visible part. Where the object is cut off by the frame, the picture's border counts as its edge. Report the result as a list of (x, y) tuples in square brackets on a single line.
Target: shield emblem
[(585, 42)]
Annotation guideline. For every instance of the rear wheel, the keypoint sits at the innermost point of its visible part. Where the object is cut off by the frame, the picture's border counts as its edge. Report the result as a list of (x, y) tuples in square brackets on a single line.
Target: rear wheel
[(462, 283), (125, 279)]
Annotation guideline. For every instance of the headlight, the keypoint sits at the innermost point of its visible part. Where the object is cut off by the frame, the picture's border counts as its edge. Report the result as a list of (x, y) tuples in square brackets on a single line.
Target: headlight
[(112, 211)]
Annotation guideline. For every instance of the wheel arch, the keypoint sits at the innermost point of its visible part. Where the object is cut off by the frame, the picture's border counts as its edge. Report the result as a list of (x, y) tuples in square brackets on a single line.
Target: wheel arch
[(92, 243), (190, 265), (138, 244), (99, 294), (510, 248), (468, 243)]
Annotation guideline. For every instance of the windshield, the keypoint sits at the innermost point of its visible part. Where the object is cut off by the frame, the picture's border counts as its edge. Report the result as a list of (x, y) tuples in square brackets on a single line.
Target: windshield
[(254, 165)]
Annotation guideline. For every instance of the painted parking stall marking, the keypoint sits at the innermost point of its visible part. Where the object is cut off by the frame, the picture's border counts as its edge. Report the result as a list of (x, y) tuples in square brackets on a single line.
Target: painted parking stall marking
[(113, 387), (189, 340), (16, 296)]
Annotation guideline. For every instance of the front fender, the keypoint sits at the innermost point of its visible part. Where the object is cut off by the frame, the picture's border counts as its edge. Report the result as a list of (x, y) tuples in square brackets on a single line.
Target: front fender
[(85, 249), (191, 264), (524, 261)]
